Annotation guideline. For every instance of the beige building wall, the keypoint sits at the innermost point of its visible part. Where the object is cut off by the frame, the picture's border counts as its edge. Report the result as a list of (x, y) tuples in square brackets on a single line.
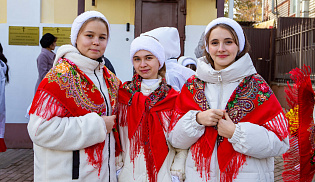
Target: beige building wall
[(55, 11), (3, 11), (312, 9), (200, 12), (116, 11)]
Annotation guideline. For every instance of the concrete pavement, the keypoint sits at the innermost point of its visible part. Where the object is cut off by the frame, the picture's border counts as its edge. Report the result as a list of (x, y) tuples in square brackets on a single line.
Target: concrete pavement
[(17, 165)]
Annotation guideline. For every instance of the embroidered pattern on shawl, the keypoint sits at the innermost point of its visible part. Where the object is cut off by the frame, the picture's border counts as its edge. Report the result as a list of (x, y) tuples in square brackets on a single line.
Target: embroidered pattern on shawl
[(66, 91), (251, 93), (144, 117), (299, 159)]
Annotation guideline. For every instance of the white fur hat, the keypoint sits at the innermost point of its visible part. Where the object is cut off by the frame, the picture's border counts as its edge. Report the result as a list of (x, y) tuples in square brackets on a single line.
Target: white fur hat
[(169, 38), (149, 44), (233, 24), (78, 22), (186, 61)]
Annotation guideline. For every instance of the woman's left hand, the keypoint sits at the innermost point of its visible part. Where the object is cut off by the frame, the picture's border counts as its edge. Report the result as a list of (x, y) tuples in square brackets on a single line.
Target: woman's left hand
[(226, 127)]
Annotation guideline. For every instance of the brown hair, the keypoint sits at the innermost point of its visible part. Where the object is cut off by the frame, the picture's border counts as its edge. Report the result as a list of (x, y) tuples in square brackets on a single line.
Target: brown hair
[(162, 71), (235, 39)]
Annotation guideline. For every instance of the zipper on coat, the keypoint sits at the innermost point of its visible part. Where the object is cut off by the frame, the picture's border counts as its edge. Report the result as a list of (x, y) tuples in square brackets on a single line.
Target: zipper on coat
[(221, 90), (107, 113)]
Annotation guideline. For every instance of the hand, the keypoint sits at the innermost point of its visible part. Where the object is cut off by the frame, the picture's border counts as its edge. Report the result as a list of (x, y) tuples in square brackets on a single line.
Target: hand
[(109, 122), (226, 127), (210, 117)]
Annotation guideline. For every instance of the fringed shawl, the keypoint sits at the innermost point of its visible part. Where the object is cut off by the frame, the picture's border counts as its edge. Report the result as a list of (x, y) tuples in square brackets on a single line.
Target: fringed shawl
[(147, 117), (299, 160), (66, 91), (252, 101)]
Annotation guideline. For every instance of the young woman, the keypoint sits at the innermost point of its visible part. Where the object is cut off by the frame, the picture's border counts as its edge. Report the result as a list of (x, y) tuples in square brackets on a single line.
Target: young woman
[(145, 107), (227, 115), (72, 114), (4, 78)]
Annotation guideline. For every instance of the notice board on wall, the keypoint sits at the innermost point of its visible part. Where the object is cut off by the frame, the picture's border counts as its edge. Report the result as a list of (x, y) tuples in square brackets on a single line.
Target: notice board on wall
[(62, 34), (21, 35)]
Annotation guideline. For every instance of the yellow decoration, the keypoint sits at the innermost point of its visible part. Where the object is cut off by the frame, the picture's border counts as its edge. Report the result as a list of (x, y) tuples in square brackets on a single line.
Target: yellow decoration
[(293, 119)]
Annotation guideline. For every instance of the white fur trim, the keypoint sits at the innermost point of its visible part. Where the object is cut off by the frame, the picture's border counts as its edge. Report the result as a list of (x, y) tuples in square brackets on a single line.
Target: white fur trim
[(149, 44)]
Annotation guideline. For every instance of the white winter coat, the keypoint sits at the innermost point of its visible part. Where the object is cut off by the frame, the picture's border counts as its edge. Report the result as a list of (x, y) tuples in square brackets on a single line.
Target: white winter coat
[(176, 74), (3, 69), (56, 139), (256, 142)]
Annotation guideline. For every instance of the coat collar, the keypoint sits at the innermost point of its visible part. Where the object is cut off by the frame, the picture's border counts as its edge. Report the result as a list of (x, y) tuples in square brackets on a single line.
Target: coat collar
[(84, 63), (238, 70)]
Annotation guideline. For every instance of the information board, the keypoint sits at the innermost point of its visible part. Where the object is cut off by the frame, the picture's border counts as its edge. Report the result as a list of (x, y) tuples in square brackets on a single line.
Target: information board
[(62, 34), (19, 35)]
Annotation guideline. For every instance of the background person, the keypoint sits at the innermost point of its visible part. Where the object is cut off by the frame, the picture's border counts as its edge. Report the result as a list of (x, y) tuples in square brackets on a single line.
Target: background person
[(4, 78), (46, 57), (73, 111), (227, 115), (188, 62)]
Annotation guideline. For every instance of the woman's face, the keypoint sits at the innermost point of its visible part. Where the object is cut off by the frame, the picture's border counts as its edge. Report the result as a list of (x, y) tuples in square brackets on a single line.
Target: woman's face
[(222, 48), (146, 64), (52, 46), (92, 39)]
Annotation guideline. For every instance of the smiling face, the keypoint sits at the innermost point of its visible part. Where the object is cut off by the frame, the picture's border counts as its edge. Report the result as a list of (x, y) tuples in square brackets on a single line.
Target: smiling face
[(222, 48), (146, 64), (92, 39)]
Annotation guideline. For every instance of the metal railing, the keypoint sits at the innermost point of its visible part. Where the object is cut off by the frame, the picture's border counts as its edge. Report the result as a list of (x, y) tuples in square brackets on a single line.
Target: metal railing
[(295, 46)]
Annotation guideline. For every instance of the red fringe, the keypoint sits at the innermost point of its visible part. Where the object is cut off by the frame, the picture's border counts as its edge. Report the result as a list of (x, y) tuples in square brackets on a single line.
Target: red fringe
[(297, 167), (201, 153), (140, 140), (174, 119), (3, 147), (299, 76), (280, 124), (291, 160), (122, 114), (47, 107), (95, 155), (233, 168)]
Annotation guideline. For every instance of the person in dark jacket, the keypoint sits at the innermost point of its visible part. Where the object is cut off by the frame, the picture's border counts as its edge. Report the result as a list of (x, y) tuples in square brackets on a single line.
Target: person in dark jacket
[(108, 64), (46, 57)]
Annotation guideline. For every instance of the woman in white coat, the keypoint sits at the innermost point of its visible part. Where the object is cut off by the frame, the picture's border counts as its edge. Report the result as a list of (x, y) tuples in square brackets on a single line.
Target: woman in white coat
[(227, 115), (4, 78), (73, 111)]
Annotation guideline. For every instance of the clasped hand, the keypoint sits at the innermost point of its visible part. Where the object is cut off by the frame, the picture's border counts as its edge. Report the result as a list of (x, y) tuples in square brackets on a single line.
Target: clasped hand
[(109, 122), (214, 117)]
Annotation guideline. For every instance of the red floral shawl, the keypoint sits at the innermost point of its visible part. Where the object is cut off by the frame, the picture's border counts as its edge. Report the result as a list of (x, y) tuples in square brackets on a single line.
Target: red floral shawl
[(299, 160), (146, 117), (69, 92), (249, 102)]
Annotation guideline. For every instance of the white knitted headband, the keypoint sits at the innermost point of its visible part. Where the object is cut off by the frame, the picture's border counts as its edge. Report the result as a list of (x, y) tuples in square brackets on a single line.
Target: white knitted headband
[(233, 24), (78, 22), (149, 44)]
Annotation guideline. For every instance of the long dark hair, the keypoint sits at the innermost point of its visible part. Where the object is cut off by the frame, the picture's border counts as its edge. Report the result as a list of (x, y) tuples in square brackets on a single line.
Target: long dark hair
[(4, 59)]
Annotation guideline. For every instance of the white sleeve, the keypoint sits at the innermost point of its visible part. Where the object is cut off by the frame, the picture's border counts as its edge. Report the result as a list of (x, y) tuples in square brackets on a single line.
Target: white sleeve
[(67, 133), (256, 141), (186, 132)]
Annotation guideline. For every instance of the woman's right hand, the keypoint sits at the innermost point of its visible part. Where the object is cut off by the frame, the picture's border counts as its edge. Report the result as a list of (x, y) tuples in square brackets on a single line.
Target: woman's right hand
[(109, 122), (210, 117)]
